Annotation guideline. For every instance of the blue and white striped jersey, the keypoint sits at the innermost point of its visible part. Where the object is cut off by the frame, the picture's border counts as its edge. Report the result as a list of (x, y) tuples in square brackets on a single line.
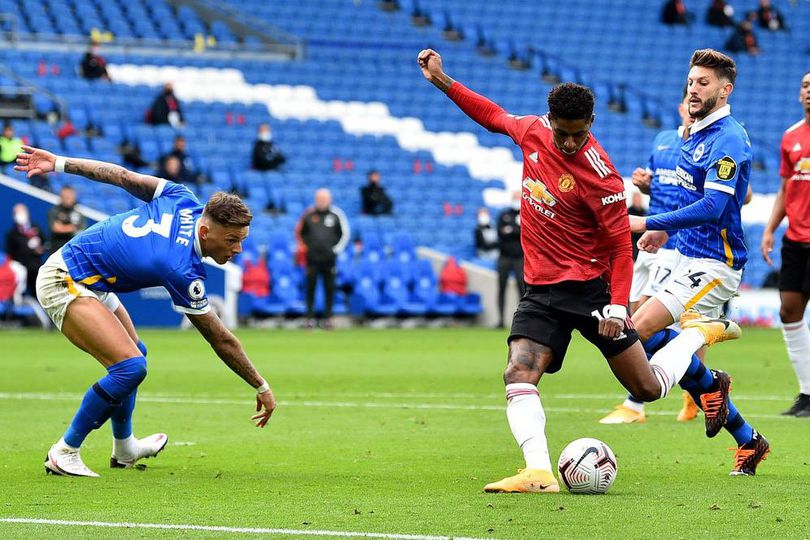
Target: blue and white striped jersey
[(716, 156), (153, 245), (665, 193)]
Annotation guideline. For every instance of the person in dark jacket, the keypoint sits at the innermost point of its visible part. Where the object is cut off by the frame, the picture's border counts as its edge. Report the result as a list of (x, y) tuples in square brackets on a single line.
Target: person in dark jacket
[(769, 17), (166, 109), (64, 220), (376, 201), (266, 155), (93, 65), (322, 233), (720, 14), (743, 39), (184, 171), (510, 260), (486, 237), (25, 244), (674, 12)]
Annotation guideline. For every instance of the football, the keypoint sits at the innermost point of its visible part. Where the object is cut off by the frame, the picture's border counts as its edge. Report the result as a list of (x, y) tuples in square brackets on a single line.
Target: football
[(587, 466)]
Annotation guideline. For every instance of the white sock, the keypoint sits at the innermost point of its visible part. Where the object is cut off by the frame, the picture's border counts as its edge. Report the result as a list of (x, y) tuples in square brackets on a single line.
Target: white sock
[(633, 405), (125, 447), (797, 340), (62, 444), (671, 362), (528, 423)]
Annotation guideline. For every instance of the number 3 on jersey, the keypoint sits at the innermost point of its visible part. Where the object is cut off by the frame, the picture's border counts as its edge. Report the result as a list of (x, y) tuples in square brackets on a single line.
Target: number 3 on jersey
[(163, 228)]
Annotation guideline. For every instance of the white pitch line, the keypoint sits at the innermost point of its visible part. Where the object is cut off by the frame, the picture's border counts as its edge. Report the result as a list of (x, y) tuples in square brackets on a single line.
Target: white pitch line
[(339, 404), (235, 530)]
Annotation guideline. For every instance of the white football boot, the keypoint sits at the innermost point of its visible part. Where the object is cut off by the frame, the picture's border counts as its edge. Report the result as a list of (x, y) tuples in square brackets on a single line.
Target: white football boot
[(66, 461), (147, 447)]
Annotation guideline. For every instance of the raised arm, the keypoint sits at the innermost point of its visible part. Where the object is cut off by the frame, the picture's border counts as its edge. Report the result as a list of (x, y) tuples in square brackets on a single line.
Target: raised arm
[(34, 161), (479, 108), (230, 351)]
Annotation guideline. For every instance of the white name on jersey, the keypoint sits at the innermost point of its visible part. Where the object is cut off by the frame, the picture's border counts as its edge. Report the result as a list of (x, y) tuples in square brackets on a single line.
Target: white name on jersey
[(186, 227)]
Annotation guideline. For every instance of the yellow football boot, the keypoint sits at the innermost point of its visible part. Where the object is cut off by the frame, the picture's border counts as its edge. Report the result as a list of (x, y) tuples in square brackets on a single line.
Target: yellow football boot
[(689, 411), (624, 415), (713, 330), (526, 481)]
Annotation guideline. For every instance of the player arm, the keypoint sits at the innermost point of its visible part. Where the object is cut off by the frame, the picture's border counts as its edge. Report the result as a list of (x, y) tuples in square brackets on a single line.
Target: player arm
[(706, 210), (482, 110), (612, 219), (35, 161), (227, 347), (778, 212)]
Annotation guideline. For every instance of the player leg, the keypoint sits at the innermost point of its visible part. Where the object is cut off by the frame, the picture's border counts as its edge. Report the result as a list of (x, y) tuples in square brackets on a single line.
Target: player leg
[(632, 409), (127, 450), (794, 289), (91, 326), (537, 344)]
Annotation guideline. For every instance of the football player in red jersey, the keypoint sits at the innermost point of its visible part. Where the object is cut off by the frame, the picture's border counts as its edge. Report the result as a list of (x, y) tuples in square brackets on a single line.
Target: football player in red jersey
[(792, 201), (578, 266)]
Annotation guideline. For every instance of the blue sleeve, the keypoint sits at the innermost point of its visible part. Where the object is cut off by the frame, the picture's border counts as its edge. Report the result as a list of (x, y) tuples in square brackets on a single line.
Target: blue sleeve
[(651, 160), (728, 153), (188, 293), (706, 210), (173, 190)]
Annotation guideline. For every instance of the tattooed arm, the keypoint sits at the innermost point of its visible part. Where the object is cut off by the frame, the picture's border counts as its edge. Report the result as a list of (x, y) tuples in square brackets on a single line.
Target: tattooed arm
[(35, 161), (230, 351)]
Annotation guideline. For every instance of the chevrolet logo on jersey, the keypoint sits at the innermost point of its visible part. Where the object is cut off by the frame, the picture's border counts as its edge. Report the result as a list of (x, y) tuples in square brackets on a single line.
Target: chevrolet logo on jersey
[(726, 168), (539, 191)]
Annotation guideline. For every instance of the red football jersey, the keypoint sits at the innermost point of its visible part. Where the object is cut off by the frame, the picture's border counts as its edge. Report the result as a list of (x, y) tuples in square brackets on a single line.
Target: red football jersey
[(574, 222), (796, 169)]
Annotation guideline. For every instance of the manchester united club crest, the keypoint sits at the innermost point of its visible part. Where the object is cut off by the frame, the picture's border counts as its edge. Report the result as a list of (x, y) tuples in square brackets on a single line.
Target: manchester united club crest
[(566, 183)]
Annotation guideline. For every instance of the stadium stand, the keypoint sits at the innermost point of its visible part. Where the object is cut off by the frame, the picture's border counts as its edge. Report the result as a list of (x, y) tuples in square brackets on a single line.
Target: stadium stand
[(357, 102)]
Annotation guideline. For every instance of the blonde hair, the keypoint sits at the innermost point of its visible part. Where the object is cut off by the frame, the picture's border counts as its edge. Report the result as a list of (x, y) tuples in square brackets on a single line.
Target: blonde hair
[(228, 209)]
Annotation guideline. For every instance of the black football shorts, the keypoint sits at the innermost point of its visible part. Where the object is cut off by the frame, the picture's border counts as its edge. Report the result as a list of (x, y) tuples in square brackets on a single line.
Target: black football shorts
[(795, 273)]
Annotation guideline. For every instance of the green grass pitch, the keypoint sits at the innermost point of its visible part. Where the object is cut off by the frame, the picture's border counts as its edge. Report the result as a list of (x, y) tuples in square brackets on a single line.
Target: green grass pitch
[(390, 432)]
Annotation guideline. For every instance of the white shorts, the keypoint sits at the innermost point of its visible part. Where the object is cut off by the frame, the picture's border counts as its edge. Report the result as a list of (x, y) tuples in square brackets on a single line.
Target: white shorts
[(56, 290), (704, 285), (651, 272)]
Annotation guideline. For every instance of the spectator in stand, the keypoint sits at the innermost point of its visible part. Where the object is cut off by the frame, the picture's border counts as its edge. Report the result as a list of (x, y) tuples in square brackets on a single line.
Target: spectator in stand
[(166, 109), (25, 244), (769, 17), (64, 220), (510, 261), (185, 168), (322, 233), (93, 65), (720, 14), (10, 146), (674, 12), (376, 201), (637, 208), (266, 155), (453, 278), (743, 39), (486, 237)]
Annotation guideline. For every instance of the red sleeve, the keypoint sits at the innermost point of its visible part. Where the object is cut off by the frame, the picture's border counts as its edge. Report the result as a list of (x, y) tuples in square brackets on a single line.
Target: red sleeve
[(607, 200), (785, 168), (489, 114)]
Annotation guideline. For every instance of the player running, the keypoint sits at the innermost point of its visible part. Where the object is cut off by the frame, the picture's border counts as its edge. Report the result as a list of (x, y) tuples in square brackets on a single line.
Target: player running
[(160, 243), (652, 270), (792, 201), (578, 266), (713, 171)]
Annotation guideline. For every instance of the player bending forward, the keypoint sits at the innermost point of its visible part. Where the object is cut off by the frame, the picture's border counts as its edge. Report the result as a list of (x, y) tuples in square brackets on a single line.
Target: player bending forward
[(160, 243), (578, 266)]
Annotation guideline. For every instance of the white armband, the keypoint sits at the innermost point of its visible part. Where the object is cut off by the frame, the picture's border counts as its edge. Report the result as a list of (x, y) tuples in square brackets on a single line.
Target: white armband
[(263, 388), (615, 311), (59, 166)]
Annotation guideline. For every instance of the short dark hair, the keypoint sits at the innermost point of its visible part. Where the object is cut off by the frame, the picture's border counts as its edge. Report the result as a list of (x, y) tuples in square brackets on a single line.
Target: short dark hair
[(228, 209), (723, 65), (571, 101)]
